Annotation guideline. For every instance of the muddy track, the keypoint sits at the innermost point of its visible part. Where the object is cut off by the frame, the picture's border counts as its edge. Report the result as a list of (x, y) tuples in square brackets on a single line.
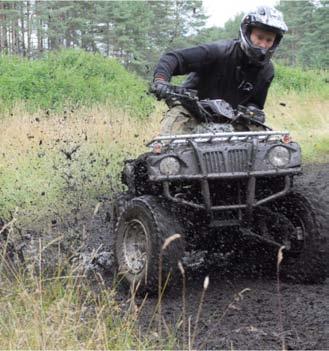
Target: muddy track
[(240, 310), (244, 311)]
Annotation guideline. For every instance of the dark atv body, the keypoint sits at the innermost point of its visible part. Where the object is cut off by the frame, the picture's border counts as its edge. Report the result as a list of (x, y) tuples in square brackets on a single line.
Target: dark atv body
[(228, 174)]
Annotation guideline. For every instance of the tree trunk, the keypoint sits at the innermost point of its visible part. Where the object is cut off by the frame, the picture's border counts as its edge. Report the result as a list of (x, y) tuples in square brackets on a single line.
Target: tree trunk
[(28, 27), (108, 42), (2, 25), (38, 12), (22, 36), (14, 28)]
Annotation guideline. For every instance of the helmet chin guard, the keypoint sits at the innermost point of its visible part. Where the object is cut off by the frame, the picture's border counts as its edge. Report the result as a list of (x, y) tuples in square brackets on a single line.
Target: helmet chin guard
[(268, 19)]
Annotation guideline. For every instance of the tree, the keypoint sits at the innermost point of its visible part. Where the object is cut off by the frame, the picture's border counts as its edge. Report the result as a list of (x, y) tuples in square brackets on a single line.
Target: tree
[(137, 32), (314, 50)]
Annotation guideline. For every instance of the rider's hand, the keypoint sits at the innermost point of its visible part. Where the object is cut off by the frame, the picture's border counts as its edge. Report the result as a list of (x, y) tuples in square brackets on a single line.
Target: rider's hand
[(256, 113), (161, 88)]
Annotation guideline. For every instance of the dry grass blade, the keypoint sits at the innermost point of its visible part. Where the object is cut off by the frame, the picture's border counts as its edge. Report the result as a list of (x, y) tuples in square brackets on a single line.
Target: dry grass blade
[(98, 205), (8, 225), (182, 270), (205, 287), (167, 242), (279, 261), (280, 256), (189, 333), (4, 247)]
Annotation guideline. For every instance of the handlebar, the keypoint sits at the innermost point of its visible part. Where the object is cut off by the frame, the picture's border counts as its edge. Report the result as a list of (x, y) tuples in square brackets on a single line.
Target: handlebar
[(203, 110)]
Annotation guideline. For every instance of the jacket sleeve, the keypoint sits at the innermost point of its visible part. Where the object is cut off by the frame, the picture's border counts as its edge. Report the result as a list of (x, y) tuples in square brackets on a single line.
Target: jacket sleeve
[(180, 62), (259, 96)]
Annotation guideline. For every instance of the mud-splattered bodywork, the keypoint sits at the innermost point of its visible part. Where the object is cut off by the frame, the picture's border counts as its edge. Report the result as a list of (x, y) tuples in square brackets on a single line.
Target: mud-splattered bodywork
[(216, 172)]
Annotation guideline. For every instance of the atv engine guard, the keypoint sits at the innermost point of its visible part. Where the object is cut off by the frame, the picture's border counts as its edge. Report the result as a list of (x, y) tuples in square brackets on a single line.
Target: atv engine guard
[(250, 203)]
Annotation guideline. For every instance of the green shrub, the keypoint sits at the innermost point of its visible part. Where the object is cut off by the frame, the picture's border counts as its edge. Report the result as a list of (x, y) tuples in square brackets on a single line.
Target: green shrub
[(300, 81), (69, 79)]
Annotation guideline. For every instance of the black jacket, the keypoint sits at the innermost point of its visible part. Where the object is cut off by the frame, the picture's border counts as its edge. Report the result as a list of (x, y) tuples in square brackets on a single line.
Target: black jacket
[(219, 71)]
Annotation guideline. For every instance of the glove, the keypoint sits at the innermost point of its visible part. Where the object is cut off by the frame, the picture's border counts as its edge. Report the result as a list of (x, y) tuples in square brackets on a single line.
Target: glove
[(161, 88), (256, 113)]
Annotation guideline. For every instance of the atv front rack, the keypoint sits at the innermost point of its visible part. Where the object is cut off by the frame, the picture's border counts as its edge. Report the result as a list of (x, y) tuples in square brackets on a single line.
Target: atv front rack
[(210, 137)]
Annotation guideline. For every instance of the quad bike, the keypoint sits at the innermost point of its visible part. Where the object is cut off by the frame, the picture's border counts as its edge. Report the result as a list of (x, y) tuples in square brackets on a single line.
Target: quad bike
[(232, 172)]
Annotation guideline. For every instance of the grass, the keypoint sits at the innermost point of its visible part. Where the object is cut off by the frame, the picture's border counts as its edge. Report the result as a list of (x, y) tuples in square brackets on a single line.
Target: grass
[(306, 117), (63, 311), (303, 82), (52, 164), (69, 79)]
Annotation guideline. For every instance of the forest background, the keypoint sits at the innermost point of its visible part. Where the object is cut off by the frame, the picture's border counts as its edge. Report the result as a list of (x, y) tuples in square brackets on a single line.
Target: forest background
[(137, 32)]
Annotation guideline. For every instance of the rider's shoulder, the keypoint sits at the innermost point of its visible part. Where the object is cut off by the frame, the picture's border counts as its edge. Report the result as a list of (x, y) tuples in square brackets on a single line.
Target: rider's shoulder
[(268, 69), (223, 46)]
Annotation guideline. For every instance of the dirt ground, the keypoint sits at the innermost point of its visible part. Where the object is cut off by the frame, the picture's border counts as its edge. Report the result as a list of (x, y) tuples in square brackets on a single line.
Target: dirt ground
[(244, 313), (242, 310)]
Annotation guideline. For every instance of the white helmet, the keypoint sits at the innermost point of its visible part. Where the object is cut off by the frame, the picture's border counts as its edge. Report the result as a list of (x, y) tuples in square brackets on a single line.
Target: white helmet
[(267, 18)]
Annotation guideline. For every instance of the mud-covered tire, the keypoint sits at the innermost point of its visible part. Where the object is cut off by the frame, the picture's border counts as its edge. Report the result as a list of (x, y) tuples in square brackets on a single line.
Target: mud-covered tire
[(304, 263), (119, 203), (140, 232)]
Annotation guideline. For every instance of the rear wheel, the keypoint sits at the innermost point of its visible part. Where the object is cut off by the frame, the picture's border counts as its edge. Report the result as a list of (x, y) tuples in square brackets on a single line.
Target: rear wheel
[(140, 233), (290, 222), (304, 261)]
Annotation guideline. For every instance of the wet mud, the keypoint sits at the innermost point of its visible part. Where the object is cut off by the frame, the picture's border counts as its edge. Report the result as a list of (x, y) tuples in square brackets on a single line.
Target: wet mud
[(240, 309), (243, 309), (249, 313)]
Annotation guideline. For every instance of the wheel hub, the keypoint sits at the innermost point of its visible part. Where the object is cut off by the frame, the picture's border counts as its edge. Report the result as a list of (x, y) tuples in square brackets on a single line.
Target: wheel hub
[(135, 246)]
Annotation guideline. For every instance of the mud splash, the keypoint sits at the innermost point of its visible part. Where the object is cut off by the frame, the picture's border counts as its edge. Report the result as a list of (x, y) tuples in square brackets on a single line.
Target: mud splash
[(241, 310)]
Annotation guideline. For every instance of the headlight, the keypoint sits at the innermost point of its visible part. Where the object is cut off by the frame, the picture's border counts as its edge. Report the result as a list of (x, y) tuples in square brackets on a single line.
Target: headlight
[(169, 166), (279, 156)]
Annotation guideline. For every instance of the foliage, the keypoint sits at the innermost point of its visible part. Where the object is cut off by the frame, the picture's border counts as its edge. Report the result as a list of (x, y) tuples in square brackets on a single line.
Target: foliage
[(63, 311), (305, 43), (51, 165), (304, 114), (213, 34), (135, 32), (71, 78), (299, 80)]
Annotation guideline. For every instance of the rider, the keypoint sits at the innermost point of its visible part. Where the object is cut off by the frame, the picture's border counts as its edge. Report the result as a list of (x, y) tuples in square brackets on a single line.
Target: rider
[(238, 71)]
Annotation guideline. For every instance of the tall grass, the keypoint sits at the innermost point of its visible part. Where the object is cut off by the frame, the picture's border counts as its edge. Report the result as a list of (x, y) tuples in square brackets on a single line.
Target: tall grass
[(40, 176), (51, 165), (306, 117), (63, 311)]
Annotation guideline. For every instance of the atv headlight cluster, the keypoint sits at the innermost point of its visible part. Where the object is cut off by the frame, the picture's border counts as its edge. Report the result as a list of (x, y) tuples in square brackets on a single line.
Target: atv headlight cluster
[(279, 156), (169, 166)]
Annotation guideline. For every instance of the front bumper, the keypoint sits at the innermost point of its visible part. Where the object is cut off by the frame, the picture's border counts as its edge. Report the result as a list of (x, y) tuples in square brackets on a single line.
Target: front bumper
[(203, 162)]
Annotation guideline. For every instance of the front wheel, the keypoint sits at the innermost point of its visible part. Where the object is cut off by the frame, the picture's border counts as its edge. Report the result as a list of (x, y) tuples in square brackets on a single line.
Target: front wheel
[(140, 233)]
